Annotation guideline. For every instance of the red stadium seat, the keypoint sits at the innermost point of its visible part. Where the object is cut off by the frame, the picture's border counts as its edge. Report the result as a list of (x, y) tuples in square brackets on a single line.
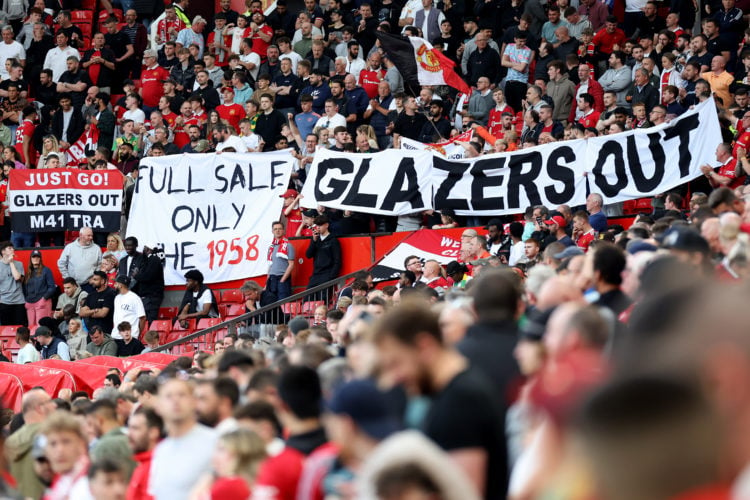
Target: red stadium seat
[(177, 327), (204, 323), (161, 325), (168, 312), (234, 309), (8, 331), (308, 308), (291, 308), (82, 16), (231, 296)]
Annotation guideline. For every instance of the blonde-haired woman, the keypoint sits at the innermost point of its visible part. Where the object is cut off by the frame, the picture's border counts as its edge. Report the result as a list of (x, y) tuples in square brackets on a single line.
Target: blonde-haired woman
[(115, 246), (50, 144), (236, 460)]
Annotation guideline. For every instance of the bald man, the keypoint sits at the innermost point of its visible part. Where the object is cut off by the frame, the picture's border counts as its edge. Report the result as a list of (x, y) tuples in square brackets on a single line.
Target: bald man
[(36, 405)]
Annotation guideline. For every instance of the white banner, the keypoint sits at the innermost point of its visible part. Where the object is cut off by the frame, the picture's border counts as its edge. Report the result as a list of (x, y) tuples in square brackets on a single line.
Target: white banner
[(447, 149), (391, 182), (620, 167), (212, 212)]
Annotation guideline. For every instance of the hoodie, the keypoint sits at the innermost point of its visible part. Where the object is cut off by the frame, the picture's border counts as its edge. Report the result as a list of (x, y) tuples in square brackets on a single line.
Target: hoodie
[(79, 262), (108, 347)]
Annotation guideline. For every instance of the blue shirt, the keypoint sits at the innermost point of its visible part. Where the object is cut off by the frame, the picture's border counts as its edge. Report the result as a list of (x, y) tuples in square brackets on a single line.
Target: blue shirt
[(305, 123), (516, 55)]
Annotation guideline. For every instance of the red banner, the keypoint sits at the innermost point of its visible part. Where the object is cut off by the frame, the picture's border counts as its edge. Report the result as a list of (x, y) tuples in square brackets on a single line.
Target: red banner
[(59, 199)]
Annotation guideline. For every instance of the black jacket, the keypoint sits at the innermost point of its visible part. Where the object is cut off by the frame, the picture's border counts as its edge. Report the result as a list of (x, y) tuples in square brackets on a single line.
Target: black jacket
[(326, 255), (75, 127)]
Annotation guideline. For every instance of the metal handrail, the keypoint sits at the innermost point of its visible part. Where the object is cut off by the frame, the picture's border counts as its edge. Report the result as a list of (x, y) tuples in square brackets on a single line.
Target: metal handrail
[(230, 324)]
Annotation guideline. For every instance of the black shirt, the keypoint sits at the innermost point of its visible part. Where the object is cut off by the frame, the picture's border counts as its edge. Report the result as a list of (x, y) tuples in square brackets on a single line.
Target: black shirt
[(431, 130), (98, 300), (409, 126), (465, 415), (308, 442), (132, 348), (268, 126), (117, 43)]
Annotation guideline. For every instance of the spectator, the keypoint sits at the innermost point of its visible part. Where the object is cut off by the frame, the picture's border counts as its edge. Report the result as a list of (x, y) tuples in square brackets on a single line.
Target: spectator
[(51, 345), (410, 347), (12, 303), (179, 460), (76, 339), (80, 258), (199, 300), (128, 308), (98, 307), (111, 443), (144, 433), (38, 289), (325, 251), (27, 353)]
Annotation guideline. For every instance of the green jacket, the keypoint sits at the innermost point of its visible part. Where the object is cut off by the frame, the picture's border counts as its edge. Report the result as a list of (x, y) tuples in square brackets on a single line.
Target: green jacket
[(108, 347), (18, 452)]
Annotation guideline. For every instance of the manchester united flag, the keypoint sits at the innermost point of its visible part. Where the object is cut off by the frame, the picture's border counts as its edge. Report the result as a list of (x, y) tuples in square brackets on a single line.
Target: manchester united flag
[(419, 63)]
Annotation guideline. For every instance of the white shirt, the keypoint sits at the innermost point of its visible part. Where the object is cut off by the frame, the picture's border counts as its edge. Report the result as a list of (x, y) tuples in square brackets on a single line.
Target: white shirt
[(517, 254), (137, 115), (128, 307), (12, 50), (355, 67), (251, 141), (254, 58), (178, 463), (67, 115), (233, 141), (410, 9), (27, 354), (331, 123), (57, 61)]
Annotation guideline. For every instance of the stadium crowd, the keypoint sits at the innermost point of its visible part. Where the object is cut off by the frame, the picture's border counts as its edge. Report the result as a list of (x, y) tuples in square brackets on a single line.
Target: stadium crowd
[(558, 357)]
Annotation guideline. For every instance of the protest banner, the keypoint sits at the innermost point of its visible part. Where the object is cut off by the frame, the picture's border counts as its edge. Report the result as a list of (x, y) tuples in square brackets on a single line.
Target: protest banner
[(447, 149), (60, 199), (88, 141), (398, 182), (212, 212), (426, 243), (623, 166)]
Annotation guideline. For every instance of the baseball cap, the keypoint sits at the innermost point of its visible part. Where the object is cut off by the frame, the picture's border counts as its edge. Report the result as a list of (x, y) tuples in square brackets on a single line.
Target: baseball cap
[(36, 253), (364, 403), (571, 251), (678, 238), (311, 212), (227, 89), (43, 331), (557, 219), (289, 193), (201, 146), (121, 278)]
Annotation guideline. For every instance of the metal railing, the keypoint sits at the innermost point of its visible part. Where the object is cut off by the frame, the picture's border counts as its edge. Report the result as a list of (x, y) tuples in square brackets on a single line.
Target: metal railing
[(261, 322)]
